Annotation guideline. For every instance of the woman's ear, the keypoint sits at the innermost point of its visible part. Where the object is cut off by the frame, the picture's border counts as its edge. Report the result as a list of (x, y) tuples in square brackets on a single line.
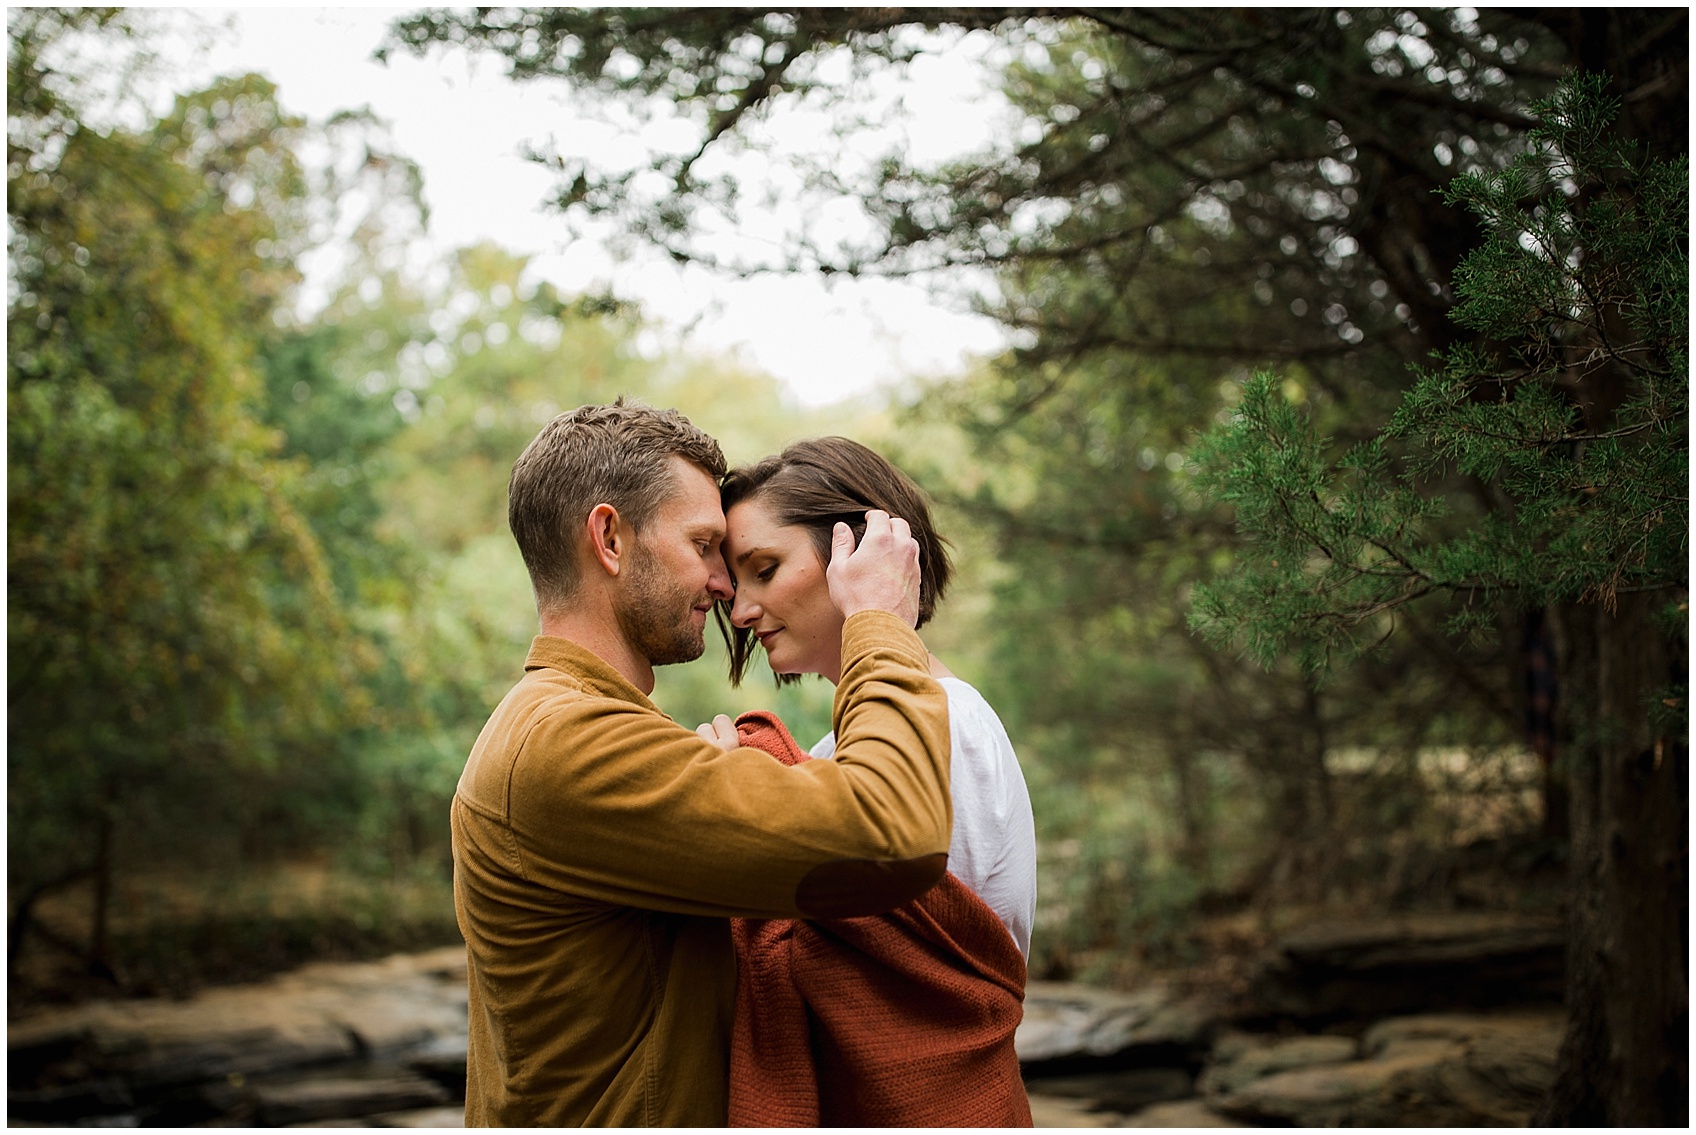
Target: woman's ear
[(608, 537)]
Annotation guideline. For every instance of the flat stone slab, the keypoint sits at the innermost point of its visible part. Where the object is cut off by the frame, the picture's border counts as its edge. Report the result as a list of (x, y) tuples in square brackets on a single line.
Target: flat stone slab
[(1052, 1111), (443, 1060), (1239, 1060), (1064, 1021), (1411, 962), (1432, 1070), (428, 1117), (1420, 939), (437, 1117), (1338, 1095), (319, 1014), (1179, 1113), (346, 1095), (1125, 1090)]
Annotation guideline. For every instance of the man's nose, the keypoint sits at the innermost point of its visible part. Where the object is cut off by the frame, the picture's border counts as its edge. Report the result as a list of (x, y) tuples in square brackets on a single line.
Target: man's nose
[(718, 579)]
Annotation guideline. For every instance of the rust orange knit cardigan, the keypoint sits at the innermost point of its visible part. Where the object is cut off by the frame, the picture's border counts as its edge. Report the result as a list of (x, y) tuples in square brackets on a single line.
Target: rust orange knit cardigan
[(904, 1019)]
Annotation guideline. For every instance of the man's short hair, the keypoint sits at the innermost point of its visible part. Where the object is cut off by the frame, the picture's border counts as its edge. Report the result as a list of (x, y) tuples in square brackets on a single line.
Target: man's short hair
[(618, 455)]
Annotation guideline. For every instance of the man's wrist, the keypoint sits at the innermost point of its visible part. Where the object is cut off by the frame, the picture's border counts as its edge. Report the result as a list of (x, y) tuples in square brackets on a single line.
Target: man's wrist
[(875, 627)]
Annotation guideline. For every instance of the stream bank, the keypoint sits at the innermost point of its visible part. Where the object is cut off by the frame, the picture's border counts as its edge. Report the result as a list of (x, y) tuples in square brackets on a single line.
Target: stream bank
[(1438, 1020)]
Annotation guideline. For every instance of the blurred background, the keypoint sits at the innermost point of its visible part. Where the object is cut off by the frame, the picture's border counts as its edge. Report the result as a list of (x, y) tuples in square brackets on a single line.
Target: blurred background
[(271, 356)]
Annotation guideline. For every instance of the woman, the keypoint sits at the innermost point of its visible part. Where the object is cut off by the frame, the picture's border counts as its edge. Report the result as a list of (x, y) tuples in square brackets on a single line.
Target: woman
[(858, 976)]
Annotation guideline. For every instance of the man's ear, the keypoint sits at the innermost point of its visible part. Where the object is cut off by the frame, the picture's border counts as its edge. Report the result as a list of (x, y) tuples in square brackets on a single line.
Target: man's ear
[(609, 537)]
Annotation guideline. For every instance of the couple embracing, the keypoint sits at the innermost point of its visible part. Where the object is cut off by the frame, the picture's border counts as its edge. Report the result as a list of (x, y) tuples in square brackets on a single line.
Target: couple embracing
[(669, 927)]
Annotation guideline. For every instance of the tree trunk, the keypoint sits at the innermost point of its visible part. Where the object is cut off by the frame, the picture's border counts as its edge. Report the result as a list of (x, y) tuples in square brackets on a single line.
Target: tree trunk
[(1625, 1059), (1195, 848), (1542, 696), (98, 949), (23, 916)]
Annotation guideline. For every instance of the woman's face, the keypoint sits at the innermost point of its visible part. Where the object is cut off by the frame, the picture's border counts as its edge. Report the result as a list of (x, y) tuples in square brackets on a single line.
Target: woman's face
[(781, 594)]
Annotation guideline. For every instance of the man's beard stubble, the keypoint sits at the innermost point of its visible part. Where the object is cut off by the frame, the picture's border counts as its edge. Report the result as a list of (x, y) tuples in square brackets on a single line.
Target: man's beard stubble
[(657, 617)]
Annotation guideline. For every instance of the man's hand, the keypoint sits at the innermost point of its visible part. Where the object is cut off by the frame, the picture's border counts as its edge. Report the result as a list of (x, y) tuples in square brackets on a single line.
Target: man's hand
[(882, 574), (721, 731)]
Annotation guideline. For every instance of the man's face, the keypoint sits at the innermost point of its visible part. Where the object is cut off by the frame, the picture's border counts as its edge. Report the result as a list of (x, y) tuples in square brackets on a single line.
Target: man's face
[(677, 572)]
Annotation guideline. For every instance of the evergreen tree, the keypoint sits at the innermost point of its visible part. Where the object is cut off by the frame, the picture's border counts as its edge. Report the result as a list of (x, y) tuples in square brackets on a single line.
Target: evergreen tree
[(1575, 419), (1182, 196)]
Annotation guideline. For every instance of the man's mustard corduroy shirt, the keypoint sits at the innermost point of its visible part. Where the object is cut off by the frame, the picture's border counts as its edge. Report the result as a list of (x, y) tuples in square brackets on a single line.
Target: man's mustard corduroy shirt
[(599, 848)]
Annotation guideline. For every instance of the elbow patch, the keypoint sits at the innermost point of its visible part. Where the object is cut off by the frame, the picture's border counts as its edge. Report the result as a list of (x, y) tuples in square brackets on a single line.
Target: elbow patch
[(850, 888)]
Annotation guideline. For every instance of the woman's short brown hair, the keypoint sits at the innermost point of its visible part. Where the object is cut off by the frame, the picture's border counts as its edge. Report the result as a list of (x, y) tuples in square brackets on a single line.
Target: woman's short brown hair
[(818, 482)]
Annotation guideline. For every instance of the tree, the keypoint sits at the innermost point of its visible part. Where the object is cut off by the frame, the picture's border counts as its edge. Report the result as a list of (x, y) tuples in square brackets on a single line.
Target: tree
[(261, 593), (1211, 189), (485, 363), (178, 649), (1183, 195), (1579, 423), (1229, 786), (1315, 127)]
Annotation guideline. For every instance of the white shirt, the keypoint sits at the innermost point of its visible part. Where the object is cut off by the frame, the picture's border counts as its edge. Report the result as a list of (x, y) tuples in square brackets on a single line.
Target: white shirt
[(993, 847)]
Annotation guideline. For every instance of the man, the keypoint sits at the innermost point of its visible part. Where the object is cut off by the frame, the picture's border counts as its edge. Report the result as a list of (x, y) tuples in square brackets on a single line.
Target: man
[(600, 847)]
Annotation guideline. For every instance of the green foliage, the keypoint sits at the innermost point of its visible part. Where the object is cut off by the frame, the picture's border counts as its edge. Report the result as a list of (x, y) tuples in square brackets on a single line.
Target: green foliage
[(1176, 199), (1165, 774), (1572, 410), (1335, 545), (174, 635), (200, 671), (262, 593), (478, 369)]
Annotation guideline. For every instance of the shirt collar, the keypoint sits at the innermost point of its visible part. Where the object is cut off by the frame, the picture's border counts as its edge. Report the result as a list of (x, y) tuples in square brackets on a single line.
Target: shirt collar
[(550, 653)]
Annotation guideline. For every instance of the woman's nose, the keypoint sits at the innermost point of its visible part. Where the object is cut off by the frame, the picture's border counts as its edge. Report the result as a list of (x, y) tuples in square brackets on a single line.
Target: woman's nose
[(744, 612)]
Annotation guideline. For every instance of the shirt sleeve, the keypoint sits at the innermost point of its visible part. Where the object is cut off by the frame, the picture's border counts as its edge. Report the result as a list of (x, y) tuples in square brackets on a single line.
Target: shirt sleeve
[(616, 802), (993, 847)]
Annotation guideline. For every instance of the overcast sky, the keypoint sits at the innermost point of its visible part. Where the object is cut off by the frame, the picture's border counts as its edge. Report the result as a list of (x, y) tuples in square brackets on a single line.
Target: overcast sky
[(465, 124)]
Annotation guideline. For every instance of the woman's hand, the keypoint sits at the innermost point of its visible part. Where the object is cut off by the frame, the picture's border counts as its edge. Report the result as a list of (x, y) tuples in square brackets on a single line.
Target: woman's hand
[(721, 731)]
